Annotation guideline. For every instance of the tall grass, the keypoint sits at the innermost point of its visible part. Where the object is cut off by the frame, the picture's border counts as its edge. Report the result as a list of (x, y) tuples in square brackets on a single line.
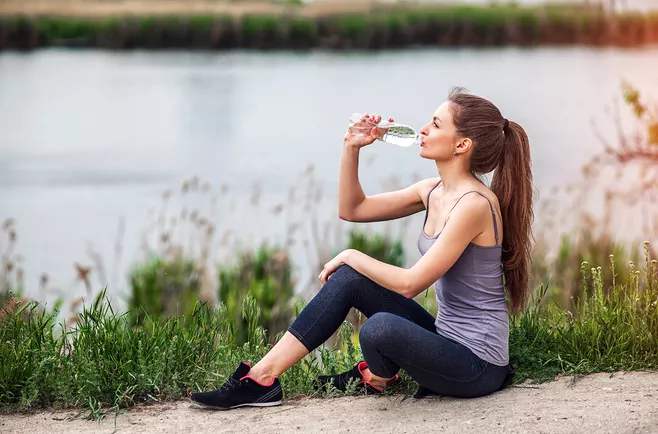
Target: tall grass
[(105, 363), (612, 327)]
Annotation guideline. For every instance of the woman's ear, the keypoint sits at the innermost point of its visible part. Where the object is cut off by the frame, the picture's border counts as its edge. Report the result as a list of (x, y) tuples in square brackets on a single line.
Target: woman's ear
[(463, 146)]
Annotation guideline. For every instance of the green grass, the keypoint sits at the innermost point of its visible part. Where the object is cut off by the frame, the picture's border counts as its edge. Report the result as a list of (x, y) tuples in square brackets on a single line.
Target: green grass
[(611, 327), (105, 363)]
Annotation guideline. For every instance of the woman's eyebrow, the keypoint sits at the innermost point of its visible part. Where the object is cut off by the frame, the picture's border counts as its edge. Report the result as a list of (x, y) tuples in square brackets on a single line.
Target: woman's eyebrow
[(436, 118)]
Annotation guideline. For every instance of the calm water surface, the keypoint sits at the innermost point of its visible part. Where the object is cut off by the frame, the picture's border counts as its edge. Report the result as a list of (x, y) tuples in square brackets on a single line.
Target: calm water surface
[(92, 138)]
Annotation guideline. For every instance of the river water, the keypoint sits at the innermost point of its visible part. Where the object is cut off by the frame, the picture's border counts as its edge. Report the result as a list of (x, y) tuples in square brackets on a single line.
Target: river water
[(90, 140)]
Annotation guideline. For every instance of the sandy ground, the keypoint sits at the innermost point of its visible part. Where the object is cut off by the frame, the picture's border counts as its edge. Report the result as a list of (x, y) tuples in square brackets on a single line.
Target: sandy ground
[(600, 403)]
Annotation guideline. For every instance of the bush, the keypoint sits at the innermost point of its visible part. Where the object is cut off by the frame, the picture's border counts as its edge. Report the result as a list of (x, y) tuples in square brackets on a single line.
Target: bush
[(265, 276), (163, 288), (378, 247)]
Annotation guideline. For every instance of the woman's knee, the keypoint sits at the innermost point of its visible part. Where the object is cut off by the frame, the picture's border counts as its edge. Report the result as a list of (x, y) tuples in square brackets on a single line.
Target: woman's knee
[(343, 279), (346, 273), (377, 329)]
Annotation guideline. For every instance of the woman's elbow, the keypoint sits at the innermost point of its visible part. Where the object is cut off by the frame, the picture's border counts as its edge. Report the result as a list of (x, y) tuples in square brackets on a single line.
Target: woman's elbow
[(415, 287), (410, 290)]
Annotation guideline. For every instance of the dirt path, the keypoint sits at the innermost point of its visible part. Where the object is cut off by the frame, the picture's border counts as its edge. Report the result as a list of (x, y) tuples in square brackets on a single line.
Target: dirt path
[(621, 403)]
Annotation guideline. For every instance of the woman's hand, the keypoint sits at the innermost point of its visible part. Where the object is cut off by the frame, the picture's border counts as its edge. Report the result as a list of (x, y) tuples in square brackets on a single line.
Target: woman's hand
[(365, 131), (333, 265)]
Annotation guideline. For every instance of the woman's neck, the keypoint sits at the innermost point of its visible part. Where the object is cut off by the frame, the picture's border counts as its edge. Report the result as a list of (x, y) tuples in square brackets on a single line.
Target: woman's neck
[(454, 176)]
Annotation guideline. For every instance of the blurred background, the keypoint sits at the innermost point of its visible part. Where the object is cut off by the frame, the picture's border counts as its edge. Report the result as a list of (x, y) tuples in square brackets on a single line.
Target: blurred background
[(174, 150)]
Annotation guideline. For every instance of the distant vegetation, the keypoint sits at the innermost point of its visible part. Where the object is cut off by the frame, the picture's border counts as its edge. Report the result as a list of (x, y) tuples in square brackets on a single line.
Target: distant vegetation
[(384, 27)]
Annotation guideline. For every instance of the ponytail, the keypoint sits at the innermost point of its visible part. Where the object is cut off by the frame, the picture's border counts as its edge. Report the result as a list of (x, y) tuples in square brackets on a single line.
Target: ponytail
[(512, 184), (502, 146)]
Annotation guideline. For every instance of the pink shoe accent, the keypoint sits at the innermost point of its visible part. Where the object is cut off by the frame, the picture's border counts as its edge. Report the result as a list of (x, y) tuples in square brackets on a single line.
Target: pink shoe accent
[(256, 381), (362, 366)]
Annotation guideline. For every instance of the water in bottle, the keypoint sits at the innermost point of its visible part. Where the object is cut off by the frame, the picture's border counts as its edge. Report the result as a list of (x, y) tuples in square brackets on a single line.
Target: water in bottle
[(392, 132)]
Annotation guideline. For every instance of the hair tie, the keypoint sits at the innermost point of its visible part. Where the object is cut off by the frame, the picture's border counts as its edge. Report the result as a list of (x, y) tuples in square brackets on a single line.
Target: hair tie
[(506, 124)]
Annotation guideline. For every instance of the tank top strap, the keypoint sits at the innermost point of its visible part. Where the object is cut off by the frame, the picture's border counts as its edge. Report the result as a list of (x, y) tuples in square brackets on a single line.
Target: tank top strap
[(428, 201), (493, 214)]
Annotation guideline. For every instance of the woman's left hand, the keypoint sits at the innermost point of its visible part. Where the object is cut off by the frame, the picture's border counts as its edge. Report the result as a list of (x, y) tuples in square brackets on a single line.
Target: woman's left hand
[(333, 265)]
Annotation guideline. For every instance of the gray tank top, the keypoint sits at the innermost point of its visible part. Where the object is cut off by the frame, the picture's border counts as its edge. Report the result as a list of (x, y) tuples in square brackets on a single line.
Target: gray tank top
[(470, 296)]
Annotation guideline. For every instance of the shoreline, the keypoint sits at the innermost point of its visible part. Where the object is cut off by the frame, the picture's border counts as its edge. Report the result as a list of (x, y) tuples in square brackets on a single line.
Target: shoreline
[(344, 26)]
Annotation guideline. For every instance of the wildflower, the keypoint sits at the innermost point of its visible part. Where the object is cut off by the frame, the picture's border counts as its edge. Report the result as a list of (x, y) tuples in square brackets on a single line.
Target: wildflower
[(8, 223)]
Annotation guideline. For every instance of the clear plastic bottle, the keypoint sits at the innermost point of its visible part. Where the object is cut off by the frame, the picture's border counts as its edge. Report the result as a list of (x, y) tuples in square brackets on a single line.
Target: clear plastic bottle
[(392, 132)]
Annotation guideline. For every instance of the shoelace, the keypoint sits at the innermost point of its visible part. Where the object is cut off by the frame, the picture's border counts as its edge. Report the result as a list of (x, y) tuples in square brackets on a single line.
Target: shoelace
[(230, 384)]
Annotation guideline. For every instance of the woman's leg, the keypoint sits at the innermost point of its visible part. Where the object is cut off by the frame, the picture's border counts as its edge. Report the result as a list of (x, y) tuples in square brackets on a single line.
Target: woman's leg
[(390, 342), (286, 352), (346, 288)]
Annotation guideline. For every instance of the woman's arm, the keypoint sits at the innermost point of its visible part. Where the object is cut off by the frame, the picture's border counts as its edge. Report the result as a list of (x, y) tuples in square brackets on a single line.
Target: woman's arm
[(395, 278), (466, 222), (350, 193)]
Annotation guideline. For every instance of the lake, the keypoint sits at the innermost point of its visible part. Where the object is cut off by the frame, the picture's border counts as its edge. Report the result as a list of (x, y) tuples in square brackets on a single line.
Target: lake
[(89, 140)]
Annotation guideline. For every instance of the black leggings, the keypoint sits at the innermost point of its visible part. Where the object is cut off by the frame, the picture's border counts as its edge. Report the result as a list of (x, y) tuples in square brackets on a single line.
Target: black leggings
[(399, 333)]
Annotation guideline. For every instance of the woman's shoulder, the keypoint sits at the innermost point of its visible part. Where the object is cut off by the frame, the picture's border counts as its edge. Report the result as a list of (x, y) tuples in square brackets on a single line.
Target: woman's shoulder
[(433, 185), (427, 185), (486, 192)]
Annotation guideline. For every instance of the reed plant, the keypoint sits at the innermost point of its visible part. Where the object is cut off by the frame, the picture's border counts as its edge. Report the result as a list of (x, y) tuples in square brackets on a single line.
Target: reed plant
[(11, 270)]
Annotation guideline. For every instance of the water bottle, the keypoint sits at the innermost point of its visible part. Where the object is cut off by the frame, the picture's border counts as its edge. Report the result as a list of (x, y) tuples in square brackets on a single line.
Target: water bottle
[(392, 132)]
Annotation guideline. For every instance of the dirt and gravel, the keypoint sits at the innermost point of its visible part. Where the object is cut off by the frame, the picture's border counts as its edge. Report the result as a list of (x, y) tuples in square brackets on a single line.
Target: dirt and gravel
[(600, 403)]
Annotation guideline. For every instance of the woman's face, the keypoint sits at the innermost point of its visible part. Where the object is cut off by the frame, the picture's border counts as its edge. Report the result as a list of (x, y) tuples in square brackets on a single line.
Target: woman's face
[(439, 135)]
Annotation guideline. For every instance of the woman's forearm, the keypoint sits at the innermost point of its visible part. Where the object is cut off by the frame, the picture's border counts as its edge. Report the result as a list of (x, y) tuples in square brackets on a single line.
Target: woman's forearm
[(350, 193), (389, 276)]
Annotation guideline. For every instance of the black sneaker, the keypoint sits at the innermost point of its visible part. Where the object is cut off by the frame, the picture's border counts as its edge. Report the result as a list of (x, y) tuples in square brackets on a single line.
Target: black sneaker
[(422, 392), (341, 381), (240, 390)]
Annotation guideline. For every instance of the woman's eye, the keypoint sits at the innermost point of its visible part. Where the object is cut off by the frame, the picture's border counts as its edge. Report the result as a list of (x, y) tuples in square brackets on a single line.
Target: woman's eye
[(436, 125)]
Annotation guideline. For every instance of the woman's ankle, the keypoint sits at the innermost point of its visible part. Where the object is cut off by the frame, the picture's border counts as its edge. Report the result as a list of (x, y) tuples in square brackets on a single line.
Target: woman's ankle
[(379, 383), (261, 376)]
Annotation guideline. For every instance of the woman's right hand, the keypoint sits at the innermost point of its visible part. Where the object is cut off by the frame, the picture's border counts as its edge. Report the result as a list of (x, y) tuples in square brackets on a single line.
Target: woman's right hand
[(364, 132)]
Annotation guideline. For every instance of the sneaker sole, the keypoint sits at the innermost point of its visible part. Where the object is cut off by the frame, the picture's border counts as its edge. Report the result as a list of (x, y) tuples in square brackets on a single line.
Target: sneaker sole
[(195, 404)]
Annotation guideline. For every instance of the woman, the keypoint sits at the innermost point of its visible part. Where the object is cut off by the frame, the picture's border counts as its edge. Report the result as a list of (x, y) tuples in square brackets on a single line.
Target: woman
[(471, 240)]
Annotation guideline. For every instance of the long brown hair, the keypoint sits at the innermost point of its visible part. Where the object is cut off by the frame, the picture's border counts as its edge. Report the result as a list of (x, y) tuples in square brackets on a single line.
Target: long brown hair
[(502, 145)]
